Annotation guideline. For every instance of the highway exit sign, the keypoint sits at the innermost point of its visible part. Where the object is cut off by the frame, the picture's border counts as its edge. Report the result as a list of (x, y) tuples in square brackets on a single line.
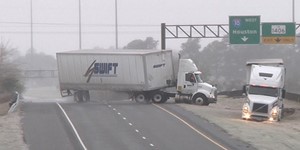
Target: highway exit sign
[(278, 33), (244, 29)]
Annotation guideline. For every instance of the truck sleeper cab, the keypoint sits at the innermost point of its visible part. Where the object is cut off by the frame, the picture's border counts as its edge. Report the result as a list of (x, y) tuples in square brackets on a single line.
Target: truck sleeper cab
[(264, 90)]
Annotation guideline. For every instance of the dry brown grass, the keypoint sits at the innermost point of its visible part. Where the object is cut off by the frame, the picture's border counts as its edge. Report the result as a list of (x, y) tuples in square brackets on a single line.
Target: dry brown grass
[(4, 103)]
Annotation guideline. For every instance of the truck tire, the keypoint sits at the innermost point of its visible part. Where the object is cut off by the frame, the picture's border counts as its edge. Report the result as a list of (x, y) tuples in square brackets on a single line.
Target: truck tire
[(78, 96), (85, 96), (159, 97), (200, 100), (141, 98)]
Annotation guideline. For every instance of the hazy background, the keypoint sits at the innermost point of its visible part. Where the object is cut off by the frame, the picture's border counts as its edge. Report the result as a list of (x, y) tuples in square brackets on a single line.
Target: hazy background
[(56, 21)]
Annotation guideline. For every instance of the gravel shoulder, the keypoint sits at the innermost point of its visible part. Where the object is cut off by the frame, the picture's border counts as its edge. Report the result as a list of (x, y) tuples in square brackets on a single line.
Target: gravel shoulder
[(11, 137), (262, 135)]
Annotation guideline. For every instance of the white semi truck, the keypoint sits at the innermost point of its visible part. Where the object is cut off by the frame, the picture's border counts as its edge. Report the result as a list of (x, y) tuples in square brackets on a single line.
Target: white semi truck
[(265, 90), (148, 75)]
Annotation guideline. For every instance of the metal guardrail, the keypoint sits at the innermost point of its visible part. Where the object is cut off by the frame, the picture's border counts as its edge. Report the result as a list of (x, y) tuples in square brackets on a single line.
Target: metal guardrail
[(40, 73), (14, 105)]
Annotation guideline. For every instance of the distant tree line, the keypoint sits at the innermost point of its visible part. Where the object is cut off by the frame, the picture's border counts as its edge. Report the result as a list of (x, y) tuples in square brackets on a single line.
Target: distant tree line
[(10, 76)]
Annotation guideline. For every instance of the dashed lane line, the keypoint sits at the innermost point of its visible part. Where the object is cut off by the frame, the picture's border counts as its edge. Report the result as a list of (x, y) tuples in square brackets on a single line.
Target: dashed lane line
[(130, 124)]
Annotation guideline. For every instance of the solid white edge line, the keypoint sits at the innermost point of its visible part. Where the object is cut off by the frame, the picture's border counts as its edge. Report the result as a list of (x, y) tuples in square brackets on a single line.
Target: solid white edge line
[(193, 128), (73, 127)]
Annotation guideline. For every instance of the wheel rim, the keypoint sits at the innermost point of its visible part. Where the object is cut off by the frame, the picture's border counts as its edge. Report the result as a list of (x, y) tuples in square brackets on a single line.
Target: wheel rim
[(140, 98), (157, 98), (199, 101)]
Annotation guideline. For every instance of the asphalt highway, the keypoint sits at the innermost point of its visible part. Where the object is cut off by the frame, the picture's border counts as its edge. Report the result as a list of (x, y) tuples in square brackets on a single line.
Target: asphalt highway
[(120, 125)]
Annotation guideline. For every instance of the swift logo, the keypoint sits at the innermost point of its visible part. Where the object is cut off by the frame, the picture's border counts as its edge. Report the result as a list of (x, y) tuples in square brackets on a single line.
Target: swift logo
[(101, 69)]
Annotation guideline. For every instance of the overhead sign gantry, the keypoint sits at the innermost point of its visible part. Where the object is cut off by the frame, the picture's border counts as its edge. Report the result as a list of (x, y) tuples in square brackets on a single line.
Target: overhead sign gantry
[(204, 31)]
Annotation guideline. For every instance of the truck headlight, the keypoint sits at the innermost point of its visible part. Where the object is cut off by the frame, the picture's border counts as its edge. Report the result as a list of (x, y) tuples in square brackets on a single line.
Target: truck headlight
[(245, 109), (274, 112)]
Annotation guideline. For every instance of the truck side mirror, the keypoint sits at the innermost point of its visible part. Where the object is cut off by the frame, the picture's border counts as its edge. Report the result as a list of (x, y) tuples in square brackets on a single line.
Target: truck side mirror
[(283, 93), (245, 89)]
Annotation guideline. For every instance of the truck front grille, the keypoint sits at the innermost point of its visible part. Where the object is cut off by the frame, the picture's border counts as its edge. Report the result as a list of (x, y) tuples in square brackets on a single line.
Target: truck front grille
[(261, 108)]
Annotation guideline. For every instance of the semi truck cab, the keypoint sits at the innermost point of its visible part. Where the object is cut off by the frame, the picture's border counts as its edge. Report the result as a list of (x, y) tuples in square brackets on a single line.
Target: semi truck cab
[(191, 88), (265, 91)]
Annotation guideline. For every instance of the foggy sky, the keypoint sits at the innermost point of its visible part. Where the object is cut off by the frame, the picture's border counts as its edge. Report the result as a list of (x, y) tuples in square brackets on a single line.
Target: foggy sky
[(56, 21)]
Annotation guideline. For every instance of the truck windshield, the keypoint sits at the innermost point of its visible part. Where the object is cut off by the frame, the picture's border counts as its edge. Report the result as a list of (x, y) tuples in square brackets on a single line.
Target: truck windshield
[(198, 78), (268, 91)]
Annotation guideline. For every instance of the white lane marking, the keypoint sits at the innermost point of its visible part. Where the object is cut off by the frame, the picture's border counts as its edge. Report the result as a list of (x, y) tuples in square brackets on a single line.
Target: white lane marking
[(193, 128), (124, 118), (73, 127)]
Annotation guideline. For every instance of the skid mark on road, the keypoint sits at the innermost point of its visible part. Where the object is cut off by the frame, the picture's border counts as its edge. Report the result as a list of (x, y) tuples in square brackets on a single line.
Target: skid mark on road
[(132, 126)]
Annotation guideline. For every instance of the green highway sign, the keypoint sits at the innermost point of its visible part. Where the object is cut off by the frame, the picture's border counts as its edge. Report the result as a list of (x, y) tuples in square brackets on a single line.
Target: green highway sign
[(278, 33), (244, 29)]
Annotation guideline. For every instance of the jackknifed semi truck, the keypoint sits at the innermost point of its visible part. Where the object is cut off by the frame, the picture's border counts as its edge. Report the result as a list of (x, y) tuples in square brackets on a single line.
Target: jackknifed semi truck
[(147, 75)]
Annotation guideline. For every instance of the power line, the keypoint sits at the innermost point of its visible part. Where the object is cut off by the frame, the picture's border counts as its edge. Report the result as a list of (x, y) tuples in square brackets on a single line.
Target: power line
[(74, 32), (74, 24)]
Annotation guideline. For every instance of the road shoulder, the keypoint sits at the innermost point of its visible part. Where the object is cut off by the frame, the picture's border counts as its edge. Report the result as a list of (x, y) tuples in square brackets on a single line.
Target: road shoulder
[(262, 135)]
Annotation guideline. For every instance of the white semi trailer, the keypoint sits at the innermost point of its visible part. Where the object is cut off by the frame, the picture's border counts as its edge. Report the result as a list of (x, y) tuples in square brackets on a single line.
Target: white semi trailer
[(148, 75), (265, 90)]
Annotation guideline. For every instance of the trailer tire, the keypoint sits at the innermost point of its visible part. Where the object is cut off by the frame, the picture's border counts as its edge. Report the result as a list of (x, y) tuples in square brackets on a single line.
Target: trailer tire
[(78, 97), (158, 97), (200, 99), (140, 98), (85, 96)]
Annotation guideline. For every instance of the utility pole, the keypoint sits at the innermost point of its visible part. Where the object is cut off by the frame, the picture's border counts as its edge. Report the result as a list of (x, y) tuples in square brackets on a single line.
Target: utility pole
[(293, 11), (80, 24), (31, 28), (116, 17)]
